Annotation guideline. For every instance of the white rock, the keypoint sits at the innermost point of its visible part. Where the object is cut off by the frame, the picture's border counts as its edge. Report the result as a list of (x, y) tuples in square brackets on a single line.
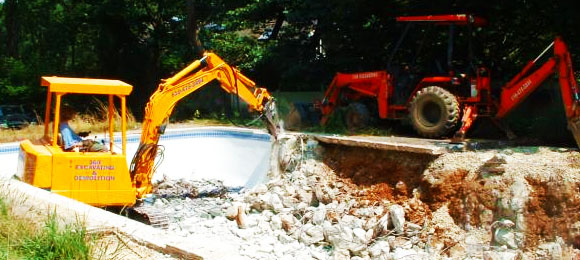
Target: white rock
[(302, 206), (260, 188), (331, 232), (276, 203), (505, 236), (232, 212), (290, 190), (379, 210), (340, 254), (319, 215), (379, 248), (351, 221), (288, 221), (251, 220), (370, 234), (382, 226), (312, 234), (401, 253), (397, 217), (359, 235), (371, 223), (553, 250), (306, 196), (266, 248), (318, 255), (364, 212), (285, 239), (413, 227), (346, 233), (276, 222), (243, 233), (507, 255), (340, 237)]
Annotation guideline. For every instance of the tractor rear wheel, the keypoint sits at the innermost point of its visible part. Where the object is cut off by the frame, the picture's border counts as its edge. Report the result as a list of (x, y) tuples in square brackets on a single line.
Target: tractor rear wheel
[(357, 116), (434, 112)]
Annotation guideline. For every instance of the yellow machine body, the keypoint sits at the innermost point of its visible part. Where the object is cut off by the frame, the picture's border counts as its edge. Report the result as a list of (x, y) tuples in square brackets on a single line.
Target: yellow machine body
[(96, 178)]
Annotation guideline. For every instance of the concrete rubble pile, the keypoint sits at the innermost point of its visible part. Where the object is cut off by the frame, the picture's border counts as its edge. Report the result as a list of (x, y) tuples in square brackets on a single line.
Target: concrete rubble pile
[(306, 211)]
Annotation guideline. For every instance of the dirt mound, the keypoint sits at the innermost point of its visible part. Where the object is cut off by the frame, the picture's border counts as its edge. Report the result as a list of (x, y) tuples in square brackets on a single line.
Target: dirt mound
[(521, 198), (553, 210)]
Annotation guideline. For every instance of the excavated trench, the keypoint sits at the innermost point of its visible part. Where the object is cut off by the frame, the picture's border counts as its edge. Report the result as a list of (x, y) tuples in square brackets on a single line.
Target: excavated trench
[(381, 175), (540, 197)]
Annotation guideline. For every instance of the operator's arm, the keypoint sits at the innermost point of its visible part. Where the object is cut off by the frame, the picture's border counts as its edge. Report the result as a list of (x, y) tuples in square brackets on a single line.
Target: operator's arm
[(69, 137)]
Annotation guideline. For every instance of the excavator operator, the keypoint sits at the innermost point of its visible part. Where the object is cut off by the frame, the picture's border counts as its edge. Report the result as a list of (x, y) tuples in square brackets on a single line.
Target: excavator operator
[(73, 141)]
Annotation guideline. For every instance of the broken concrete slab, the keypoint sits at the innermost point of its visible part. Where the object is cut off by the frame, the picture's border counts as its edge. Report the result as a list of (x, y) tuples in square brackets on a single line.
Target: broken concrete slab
[(404, 144)]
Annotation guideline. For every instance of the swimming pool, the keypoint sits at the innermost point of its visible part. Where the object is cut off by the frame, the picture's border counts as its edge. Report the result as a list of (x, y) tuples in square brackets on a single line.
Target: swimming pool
[(237, 156)]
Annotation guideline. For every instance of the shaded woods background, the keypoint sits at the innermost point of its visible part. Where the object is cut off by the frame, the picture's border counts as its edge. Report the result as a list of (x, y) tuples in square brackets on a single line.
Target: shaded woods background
[(284, 45)]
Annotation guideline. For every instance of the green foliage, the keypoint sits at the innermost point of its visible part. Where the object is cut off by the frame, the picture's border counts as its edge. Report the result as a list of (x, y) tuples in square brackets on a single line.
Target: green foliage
[(237, 48), (142, 42)]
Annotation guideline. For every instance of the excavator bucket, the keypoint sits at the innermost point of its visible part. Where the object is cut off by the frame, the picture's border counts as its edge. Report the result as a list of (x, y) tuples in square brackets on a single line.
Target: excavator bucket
[(270, 116), (574, 127)]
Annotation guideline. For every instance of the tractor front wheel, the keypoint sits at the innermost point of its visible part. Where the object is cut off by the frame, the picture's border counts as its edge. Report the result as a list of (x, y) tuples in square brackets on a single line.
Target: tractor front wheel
[(434, 112), (357, 116)]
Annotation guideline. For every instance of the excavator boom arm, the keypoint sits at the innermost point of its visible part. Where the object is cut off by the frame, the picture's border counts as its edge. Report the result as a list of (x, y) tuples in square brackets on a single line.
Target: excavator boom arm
[(161, 104)]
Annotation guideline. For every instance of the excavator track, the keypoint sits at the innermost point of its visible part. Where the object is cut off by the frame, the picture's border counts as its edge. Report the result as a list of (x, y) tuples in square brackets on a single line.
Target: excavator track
[(151, 216)]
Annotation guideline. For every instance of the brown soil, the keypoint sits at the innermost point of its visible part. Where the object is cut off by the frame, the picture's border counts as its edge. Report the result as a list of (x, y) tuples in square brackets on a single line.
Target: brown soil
[(393, 179), (422, 184), (552, 211)]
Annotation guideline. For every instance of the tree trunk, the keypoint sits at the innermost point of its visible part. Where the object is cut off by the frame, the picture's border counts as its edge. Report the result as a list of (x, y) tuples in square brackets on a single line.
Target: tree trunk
[(12, 27), (192, 30), (277, 25)]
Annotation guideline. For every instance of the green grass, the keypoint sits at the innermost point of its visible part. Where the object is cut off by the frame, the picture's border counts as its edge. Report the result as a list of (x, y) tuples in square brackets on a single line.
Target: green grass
[(24, 239)]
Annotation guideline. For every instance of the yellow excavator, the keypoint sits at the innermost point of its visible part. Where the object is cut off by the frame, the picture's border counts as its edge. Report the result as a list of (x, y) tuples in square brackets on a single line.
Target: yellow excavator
[(104, 178)]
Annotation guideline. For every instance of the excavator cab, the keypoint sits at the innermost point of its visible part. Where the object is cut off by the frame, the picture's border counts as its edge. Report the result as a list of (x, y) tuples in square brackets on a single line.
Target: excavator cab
[(96, 178)]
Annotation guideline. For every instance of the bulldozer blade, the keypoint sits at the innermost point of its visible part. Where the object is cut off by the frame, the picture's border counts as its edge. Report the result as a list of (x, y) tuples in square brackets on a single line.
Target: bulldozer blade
[(574, 127)]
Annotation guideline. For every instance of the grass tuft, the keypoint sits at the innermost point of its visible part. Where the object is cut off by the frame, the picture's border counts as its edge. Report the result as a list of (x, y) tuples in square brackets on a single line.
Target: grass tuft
[(21, 240)]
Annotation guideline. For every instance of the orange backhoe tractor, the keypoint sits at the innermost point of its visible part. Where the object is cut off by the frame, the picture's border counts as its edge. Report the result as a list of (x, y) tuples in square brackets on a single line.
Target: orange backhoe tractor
[(438, 97), (104, 178)]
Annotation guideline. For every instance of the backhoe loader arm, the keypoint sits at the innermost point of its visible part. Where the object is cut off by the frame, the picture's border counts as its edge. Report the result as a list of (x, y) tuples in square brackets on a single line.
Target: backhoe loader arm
[(362, 84), (523, 84), (170, 91)]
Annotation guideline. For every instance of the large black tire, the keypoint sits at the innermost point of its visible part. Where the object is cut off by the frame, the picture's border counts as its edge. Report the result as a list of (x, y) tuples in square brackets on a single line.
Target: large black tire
[(302, 115), (357, 116), (434, 112), (293, 120)]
